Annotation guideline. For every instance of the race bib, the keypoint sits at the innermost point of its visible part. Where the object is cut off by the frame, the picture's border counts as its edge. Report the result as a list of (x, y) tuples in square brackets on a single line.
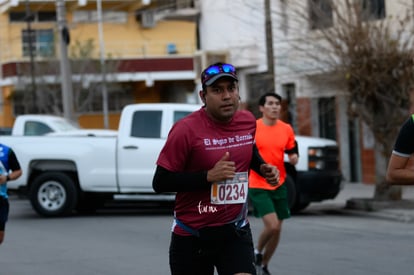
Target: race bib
[(230, 191)]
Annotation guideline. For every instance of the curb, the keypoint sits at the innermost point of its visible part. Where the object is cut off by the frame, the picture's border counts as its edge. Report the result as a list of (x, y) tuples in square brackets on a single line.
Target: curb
[(401, 211), (385, 215)]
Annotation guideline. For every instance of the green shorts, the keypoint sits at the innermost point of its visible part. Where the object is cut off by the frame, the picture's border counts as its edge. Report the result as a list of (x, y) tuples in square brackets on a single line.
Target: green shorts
[(270, 201)]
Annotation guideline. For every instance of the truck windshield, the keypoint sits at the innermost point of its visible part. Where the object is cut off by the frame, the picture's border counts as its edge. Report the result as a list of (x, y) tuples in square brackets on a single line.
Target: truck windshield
[(64, 125), (37, 128)]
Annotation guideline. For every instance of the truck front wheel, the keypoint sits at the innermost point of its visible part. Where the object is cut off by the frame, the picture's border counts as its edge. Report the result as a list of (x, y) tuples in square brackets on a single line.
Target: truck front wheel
[(53, 194)]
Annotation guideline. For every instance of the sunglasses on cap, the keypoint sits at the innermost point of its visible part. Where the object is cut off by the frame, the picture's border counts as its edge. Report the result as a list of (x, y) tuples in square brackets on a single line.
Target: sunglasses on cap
[(216, 71)]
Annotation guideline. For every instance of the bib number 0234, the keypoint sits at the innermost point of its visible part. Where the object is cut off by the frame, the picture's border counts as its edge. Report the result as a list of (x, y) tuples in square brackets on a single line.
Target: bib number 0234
[(230, 191)]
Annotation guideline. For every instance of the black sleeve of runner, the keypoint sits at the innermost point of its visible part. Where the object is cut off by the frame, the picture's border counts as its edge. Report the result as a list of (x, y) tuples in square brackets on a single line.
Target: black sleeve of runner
[(257, 160), (294, 150), (13, 162), (167, 181)]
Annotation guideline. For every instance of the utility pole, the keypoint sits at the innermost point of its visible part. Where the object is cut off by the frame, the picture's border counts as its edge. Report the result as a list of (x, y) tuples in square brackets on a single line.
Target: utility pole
[(31, 36), (269, 46), (65, 70), (103, 67)]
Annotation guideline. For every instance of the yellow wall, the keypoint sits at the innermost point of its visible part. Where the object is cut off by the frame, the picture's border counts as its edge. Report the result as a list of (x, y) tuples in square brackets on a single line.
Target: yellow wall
[(131, 40), (121, 40), (6, 119), (96, 121)]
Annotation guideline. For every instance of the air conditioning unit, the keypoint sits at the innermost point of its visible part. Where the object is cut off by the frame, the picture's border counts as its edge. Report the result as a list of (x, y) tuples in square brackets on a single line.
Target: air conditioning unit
[(183, 4), (212, 57), (202, 59), (148, 19)]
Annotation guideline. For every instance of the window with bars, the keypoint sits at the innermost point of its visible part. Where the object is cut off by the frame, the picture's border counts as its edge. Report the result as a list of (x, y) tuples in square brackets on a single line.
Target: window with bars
[(41, 42), (327, 117), (91, 16), (320, 14), (373, 9), (40, 16)]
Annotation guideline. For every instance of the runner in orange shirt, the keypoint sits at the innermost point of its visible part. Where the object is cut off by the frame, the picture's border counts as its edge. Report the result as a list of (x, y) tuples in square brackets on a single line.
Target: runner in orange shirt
[(273, 138)]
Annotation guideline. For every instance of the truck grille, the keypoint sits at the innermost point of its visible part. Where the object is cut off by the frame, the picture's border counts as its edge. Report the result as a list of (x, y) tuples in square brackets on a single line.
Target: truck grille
[(324, 158)]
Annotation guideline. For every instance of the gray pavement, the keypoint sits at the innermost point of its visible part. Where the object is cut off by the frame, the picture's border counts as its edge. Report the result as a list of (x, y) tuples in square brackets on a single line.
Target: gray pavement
[(357, 199)]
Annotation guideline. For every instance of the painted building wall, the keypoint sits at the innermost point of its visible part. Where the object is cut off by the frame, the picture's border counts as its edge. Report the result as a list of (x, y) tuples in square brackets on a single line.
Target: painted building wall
[(223, 27), (131, 45), (293, 67), (235, 26), (123, 40)]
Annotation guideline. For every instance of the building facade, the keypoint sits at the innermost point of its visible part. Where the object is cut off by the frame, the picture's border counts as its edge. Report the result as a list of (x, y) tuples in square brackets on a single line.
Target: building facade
[(142, 51), (316, 101), (155, 51)]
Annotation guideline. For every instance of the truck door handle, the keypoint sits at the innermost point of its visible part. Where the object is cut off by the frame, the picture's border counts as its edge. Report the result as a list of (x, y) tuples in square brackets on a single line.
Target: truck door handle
[(130, 147)]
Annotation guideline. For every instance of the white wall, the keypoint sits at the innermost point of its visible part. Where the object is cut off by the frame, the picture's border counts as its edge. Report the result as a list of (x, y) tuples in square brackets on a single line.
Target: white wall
[(237, 26)]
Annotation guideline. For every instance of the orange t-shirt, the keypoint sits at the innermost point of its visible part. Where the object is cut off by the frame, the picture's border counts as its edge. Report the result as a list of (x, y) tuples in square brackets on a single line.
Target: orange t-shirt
[(272, 141)]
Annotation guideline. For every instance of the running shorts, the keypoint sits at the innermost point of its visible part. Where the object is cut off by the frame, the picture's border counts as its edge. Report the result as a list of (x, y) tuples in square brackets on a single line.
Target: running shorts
[(227, 248), (270, 201), (4, 212)]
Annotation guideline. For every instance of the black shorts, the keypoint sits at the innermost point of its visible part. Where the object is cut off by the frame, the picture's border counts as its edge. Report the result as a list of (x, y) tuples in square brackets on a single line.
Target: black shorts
[(227, 248), (4, 212)]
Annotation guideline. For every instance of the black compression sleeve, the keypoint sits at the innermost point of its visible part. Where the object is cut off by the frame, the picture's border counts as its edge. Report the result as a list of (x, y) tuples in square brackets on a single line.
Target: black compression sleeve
[(257, 160), (13, 162), (294, 150), (167, 181)]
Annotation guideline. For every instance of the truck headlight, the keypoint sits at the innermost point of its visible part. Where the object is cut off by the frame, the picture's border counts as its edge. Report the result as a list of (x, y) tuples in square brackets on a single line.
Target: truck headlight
[(316, 164), (315, 152)]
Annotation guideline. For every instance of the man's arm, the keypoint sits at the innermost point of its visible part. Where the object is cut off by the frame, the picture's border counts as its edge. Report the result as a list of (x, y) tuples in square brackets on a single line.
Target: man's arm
[(14, 167), (398, 172), (267, 171), (167, 181), (293, 154), (256, 161)]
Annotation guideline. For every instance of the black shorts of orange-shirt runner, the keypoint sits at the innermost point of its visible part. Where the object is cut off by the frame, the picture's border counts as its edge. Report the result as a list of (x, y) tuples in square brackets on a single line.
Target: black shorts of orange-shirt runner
[(227, 248), (4, 212)]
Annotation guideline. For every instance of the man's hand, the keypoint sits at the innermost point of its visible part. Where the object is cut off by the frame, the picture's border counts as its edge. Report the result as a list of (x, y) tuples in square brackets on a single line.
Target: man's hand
[(224, 169), (293, 159), (270, 173)]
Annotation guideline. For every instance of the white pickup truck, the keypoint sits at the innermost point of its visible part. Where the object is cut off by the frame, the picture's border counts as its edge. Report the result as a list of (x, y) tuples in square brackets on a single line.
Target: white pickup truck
[(62, 174), (39, 125)]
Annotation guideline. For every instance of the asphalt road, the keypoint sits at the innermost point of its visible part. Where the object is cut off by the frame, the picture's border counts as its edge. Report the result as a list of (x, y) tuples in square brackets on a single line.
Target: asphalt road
[(322, 240)]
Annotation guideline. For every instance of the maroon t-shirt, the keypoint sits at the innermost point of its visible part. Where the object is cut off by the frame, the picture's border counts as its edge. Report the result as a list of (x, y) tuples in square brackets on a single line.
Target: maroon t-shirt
[(196, 143)]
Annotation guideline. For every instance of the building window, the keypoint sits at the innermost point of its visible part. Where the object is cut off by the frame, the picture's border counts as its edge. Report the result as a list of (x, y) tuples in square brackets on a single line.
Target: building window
[(327, 117), (373, 9), (146, 124), (107, 16), (40, 16), (42, 42), (290, 91), (46, 16), (320, 14)]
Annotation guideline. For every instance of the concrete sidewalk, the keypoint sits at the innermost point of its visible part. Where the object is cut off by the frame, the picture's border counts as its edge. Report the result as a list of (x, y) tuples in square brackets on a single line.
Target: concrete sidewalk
[(357, 199)]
